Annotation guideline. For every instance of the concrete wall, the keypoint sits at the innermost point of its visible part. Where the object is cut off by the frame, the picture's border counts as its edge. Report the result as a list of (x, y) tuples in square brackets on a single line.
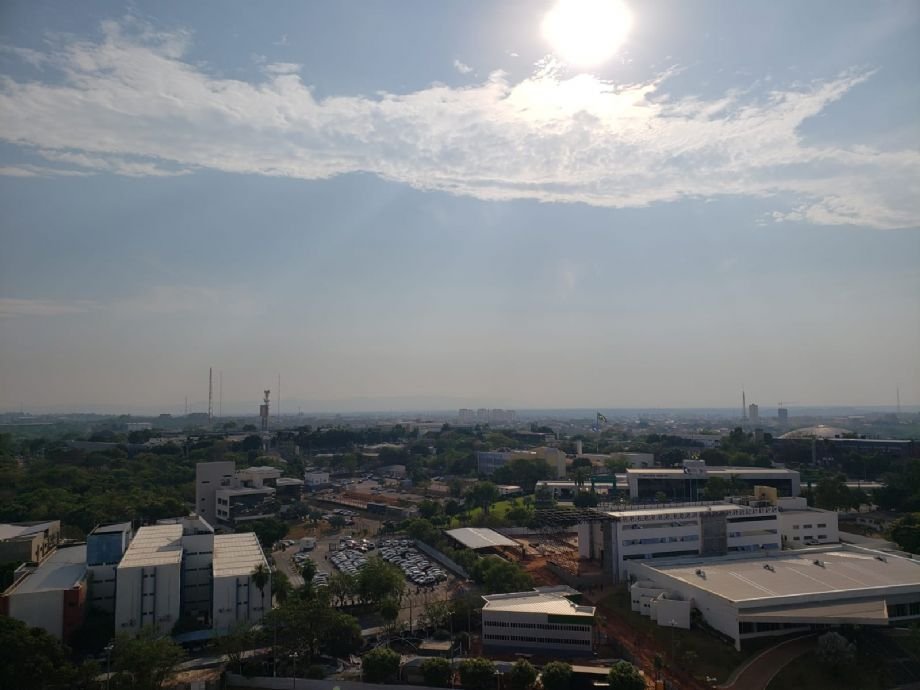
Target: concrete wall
[(148, 597), (536, 632), (237, 599), (210, 476), (800, 528), (102, 587), (197, 569), (39, 610)]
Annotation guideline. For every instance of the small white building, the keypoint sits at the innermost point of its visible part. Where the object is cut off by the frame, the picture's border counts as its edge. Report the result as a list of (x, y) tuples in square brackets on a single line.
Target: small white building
[(315, 479), (542, 621)]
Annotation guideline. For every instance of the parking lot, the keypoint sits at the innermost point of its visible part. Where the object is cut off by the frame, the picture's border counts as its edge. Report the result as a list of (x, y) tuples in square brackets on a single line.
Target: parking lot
[(415, 566)]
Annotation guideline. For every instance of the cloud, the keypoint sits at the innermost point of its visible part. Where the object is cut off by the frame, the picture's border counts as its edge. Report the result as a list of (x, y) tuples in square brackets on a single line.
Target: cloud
[(12, 307), (131, 104), (462, 68)]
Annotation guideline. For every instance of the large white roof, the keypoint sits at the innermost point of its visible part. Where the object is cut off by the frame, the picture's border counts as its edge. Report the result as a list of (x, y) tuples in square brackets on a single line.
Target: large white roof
[(680, 510), (154, 545), (479, 538), (237, 554), (796, 574)]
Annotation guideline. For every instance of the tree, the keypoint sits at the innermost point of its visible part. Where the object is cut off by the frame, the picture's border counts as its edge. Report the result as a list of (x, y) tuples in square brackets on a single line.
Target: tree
[(379, 580), (268, 530), (281, 586), (483, 495), (522, 676), (658, 663), (905, 532), (261, 576), (429, 509), (832, 493), (337, 522), (342, 588), (148, 659), (435, 615), (624, 676), (342, 636), (237, 640), (497, 575), (388, 609), (835, 651), (30, 658), (437, 672), (477, 673), (381, 665), (556, 675), (308, 570), (717, 488)]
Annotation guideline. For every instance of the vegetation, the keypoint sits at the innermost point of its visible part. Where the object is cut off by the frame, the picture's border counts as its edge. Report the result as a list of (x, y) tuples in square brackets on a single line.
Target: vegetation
[(268, 530), (145, 661), (624, 676), (381, 665), (522, 676), (835, 651), (477, 674), (31, 659), (906, 532), (437, 672), (556, 675), (309, 625)]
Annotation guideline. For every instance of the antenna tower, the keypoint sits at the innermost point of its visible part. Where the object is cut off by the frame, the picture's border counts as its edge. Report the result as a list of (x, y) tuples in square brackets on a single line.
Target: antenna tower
[(210, 393), (220, 394), (899, 401), (278, 406), (743, 404)]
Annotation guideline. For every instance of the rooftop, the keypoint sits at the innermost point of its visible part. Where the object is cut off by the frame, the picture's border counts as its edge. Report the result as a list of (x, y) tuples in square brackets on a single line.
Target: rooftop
[(741, 471), (550, 603), (154, 545), (479, 538), (680, 510), (798, 573), (11, 530), (237, 554), (63, 569), (119, 527)]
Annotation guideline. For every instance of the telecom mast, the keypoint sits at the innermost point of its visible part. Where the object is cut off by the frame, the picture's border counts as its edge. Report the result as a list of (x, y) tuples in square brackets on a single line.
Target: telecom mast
[(210, 394)]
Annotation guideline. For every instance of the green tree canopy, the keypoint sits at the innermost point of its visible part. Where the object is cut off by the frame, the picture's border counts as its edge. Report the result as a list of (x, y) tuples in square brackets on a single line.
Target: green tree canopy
[(556, 675), (437, 672), (148, 660), (905, 532), (522, 676), (477, 673), (624, 676), (381, 665)]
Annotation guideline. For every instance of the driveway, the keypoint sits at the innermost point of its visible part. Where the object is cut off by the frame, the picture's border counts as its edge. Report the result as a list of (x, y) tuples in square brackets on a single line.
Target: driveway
[(757, 673)]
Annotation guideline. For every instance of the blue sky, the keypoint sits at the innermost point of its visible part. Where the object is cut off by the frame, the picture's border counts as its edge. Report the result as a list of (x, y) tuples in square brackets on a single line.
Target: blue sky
[(423, 200)]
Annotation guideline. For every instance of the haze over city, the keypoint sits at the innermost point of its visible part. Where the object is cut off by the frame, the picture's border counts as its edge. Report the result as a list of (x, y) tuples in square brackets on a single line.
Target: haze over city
[(442, 202)]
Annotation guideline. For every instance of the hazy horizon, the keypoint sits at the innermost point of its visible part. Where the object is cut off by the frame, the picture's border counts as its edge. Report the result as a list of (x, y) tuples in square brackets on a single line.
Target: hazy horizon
[(435, 201)]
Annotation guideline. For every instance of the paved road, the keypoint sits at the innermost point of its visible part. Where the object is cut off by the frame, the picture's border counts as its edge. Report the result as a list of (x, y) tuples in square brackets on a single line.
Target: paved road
[(758, 672)]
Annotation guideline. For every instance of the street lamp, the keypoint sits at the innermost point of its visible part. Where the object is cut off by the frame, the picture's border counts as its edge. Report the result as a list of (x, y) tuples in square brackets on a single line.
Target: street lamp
[(108, 663), (294, 657)]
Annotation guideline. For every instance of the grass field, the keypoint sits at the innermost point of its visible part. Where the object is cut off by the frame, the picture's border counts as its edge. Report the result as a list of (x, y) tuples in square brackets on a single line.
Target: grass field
[(499, 509)]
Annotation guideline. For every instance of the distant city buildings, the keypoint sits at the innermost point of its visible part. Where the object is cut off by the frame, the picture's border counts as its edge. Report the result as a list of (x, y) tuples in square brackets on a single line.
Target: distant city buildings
[(489, 461), (486, 416), (753, 412), (782, 415)]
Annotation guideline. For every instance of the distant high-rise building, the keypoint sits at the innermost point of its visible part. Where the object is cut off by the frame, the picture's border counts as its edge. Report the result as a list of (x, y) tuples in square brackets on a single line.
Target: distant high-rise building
[(482, 415), (467, 416), (753, 412), (783, 414)]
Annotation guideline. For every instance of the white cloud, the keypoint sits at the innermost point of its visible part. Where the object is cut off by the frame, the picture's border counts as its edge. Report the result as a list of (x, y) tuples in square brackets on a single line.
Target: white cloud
[(282, 68), (130, 104), (12, 307), (462, 67)]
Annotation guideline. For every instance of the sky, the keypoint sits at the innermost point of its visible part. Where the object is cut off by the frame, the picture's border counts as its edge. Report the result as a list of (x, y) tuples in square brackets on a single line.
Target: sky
[(439, 202)]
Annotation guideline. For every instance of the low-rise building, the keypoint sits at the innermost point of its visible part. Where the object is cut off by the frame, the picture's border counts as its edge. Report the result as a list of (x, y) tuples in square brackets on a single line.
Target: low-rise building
[(546, 620), (489, 461), (688, 483), (50, 596), (237, 597), (105, 547), (28, 542), (750, 596), (148, 587)]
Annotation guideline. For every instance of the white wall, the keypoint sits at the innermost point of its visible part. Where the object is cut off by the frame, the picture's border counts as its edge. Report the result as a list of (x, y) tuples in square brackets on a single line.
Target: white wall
[(237, 599), (102, 587), (799, 528), (40, 610), (160, 609)]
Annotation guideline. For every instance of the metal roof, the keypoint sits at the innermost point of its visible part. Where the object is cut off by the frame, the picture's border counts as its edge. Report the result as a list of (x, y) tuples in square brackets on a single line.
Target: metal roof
[(154, 545), (63, 569), (480, 538), (11, 530), (805, 572), (237, 554)]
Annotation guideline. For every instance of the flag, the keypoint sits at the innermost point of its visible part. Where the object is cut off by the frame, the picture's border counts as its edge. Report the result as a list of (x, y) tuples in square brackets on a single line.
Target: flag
[(601, 418)]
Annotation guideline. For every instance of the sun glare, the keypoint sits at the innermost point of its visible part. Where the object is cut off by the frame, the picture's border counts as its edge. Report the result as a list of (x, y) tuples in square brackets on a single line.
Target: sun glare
[(585, 33)]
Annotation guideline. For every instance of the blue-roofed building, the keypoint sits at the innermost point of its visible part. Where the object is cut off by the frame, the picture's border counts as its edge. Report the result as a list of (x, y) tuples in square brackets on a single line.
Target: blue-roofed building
[(105, 546)]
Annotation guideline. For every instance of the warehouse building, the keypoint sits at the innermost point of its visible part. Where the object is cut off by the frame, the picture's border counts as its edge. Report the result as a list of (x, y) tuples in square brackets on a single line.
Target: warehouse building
[(746, 597), (546, 621), (28, 542), (51, 596)]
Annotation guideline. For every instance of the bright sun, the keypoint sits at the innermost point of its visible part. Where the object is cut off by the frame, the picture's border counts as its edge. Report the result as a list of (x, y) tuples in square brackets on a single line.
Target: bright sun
[(585, 33)]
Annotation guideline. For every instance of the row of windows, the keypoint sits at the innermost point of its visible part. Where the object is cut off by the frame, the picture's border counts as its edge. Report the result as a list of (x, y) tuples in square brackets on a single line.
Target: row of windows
[(661, 540), (537, 626), (809, 537), (541, 640), (758, 532), (898, 610), (658, 525)]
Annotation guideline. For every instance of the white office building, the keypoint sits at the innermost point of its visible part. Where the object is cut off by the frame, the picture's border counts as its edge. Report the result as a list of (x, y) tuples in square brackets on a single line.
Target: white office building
[(688, 483), (746, 597), (545, 620), (225, 496), (181, 568), (149, 580), (623, 537)]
